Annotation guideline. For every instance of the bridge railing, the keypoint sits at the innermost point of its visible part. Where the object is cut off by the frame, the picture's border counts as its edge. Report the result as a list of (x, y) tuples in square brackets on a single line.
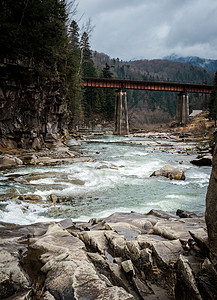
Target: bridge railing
[(147, 85)]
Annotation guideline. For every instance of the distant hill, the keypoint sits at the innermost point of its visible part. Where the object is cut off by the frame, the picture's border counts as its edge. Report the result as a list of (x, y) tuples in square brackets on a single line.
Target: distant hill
[(146, 107), (209, 65), (156, 69)]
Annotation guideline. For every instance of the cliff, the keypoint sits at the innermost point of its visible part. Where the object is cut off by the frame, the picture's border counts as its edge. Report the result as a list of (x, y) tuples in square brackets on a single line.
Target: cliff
[(32, 104)]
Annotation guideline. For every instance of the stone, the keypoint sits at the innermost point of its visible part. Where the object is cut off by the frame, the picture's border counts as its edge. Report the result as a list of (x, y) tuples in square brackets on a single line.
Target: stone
[(12, 277), (128, 268), (128, 230), (42, 160), (73, 142), (116, 243), (133, 250), (185, 214), (8, 160), (166, 253), (77, 181), (12, 194), (97, 260), (173, 229), (186, 286), (143, 289), (201, 238), (170, 172), (24, 295), (94, 240), (28, 159), (209, 269), (69, 271), (31, 198), (53, 198), (47, 296), (6, 287), (205, 160), (143, 222), (160, 214)]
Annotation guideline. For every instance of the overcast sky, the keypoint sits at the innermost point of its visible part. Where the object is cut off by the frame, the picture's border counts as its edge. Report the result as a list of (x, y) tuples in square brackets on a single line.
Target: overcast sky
[(150, 29)]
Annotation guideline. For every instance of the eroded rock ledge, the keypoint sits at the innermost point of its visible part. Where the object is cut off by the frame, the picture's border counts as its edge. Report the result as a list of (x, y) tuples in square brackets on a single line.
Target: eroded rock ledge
[(124, 256)]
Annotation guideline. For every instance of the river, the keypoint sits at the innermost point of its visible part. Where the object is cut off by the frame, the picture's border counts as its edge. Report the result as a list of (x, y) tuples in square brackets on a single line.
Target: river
[(118, 179)]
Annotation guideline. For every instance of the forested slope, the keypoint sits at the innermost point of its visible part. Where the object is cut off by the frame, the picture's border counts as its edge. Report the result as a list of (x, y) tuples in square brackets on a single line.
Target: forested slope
[(42, 60), (151, 107), (43, 57)]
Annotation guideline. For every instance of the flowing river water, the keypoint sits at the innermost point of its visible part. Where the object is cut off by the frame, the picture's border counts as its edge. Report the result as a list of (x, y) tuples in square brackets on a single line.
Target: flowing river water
[(117, 179)]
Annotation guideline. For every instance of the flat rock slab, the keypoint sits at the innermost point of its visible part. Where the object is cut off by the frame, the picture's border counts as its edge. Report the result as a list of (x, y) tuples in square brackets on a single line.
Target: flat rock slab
[(177, 229), (69, 270), (123, 256)]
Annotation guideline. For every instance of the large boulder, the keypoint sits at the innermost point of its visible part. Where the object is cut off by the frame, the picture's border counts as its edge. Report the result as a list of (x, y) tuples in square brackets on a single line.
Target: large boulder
[(12, 276), (8, 160), (69, 272), (205, 160), (186, 286), (170, 172)]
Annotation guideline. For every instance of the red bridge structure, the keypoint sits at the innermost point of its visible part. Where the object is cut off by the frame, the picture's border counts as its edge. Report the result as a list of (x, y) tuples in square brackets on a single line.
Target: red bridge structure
[(121, 113)]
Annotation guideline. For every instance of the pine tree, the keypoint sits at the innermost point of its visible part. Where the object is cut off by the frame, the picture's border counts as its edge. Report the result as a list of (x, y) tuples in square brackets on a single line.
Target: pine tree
[(36, 31), (73, 64), (109, 95), (33, 28), (106, 71), (88, 70)]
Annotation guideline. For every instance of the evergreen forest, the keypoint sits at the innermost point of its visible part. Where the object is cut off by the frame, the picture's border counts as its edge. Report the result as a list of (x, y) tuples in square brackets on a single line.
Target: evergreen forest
[(46, 35)]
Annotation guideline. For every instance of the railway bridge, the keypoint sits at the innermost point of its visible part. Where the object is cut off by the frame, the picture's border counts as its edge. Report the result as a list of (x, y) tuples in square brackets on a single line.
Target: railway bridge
[(121, 85)]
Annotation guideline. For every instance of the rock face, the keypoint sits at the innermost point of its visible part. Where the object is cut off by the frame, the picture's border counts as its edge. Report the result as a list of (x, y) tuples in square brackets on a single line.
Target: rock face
[(123, 256), (186, 286), (31, 108), (211, 209), (170, 172)]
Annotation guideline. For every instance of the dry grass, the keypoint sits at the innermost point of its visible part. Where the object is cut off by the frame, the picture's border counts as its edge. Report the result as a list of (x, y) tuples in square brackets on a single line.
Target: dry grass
[(199, 126)]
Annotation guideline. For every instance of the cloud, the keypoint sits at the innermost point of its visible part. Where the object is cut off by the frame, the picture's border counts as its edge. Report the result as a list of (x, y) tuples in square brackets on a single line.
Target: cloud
[(152, 29)]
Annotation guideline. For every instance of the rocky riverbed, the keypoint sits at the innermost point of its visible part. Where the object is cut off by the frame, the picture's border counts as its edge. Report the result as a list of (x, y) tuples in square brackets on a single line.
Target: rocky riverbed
[(157, 255), (124, 256), (54, 152)]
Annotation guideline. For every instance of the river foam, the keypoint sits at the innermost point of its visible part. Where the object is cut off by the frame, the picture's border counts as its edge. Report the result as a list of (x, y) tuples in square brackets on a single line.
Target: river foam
[(118, 179)]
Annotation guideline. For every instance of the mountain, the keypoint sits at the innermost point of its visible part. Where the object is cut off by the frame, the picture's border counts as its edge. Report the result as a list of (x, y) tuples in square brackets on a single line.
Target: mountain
[(155, 69), (146, 107), (210, 65)]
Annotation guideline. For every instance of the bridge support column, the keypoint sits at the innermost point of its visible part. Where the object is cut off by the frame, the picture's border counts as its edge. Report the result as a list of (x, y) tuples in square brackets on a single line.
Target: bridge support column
[(121, 113), (182, 108)]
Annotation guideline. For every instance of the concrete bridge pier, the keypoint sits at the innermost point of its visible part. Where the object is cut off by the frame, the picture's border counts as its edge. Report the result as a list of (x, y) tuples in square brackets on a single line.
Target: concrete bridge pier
[(182, 108), (121, 113)]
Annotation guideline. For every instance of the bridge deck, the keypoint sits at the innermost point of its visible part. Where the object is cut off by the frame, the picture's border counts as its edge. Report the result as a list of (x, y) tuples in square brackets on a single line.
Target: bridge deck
[(147, 85)]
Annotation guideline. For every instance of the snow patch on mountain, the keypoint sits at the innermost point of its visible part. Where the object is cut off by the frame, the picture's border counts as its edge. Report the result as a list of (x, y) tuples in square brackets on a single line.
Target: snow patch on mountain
[(210, 65)]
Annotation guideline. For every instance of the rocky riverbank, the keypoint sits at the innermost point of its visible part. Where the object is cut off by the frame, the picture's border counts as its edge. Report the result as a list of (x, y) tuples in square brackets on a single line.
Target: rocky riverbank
[(53, 152), (56, 152), (124, 256)]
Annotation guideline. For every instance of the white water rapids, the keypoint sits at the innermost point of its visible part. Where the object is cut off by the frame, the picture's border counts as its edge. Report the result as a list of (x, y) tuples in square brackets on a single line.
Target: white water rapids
[(118, 179)]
